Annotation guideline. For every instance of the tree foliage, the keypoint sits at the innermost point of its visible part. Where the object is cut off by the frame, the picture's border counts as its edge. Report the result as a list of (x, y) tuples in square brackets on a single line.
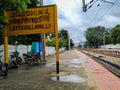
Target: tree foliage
[(94, 36), (116, 34), (63, 39), (19, 5), (71, 43), (33, 3), (63, 35)]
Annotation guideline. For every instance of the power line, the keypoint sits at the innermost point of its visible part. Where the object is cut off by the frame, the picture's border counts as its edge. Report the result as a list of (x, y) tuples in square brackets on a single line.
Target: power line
[(90, 4), (106, 12), (97, 21), (95, 16)]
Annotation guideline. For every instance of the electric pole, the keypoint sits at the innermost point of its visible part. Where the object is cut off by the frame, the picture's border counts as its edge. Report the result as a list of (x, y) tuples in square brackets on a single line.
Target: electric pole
[(91, 3), (68, 41), (43, 39), (84, 6)]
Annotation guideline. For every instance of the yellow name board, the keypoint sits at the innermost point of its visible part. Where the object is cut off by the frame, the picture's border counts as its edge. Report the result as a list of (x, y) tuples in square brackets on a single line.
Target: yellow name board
[(33, 21)]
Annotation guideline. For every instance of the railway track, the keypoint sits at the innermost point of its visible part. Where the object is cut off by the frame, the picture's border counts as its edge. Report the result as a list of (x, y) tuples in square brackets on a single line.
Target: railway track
[(112, 67)]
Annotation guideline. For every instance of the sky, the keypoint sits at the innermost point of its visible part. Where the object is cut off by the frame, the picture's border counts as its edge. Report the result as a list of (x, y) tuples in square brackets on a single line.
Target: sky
[(75, 21)]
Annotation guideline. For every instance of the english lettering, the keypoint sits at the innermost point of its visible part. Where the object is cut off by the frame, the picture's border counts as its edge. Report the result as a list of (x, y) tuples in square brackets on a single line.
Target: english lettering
[(30, 27)]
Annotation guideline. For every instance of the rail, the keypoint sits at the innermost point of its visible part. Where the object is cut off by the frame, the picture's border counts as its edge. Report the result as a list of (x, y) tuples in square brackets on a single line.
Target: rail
[(112, 53)]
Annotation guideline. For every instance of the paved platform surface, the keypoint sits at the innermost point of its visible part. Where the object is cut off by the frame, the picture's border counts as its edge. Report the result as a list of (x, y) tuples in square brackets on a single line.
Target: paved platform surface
[(85, 74), (39, 77), (104, 79)]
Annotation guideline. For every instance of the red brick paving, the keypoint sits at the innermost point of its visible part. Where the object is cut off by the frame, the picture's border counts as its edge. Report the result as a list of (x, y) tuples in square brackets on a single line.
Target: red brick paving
[(105, 80)]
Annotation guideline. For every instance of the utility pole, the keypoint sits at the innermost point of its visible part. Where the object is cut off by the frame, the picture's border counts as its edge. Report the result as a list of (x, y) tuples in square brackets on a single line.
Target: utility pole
[(68, 41), (43, 39), (41, 2), (84, 6), (104, 40), (104, 44), (91, 3)]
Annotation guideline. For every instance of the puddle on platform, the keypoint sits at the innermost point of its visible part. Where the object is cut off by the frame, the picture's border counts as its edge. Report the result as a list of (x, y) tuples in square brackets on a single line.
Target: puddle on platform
[(68, 63), (54, 65), (50, 64), (78, 61), (69, 78), (74, 66)]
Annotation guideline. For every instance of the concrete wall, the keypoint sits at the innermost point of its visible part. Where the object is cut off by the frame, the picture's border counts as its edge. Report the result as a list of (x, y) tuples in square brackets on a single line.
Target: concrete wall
[(24, 49), (112, 46)]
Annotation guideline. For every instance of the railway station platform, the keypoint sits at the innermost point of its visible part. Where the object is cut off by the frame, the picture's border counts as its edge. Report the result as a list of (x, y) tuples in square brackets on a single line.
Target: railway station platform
[(83, 74), (105, 80)]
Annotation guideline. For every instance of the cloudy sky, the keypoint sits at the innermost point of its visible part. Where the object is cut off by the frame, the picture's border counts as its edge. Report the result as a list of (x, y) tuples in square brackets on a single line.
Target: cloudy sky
[(72, 18)]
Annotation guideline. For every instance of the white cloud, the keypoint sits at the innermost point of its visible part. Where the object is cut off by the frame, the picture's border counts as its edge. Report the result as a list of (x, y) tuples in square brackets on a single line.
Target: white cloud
[(72, 18), (69, 10)]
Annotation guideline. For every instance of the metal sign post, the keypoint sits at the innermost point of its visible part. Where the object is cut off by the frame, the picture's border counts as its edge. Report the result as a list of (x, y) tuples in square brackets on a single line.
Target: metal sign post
[(43, 39), (6, 53), (56, 36)]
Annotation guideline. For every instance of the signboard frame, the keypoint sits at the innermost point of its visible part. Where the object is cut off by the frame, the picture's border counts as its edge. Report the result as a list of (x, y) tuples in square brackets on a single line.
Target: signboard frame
[(16, 30), (34, 21)]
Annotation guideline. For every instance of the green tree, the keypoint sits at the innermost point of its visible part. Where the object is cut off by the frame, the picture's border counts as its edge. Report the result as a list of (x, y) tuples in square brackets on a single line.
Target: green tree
[(63, 39), (33, 3), (63, 35), (94, 36), (115, 35), (19, 5), (50, 42), (71, 43), (108, 39)]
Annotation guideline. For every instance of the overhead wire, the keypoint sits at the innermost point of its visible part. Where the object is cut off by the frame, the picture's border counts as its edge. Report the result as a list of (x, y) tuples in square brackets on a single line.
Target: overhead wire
[(95, 15), (92, 21), (106, 12)]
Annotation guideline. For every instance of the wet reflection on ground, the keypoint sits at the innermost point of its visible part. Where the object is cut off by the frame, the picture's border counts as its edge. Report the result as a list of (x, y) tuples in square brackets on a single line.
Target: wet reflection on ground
[(53, 64), (69, 78), (75, 66), (78, 61), (71, 63)]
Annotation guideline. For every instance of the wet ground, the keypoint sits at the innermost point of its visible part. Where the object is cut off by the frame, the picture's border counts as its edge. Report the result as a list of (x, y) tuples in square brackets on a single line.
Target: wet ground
[(38, 77)]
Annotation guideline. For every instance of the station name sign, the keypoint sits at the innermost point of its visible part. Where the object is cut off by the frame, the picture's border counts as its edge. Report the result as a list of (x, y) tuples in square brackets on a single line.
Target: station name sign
[(34, 21)]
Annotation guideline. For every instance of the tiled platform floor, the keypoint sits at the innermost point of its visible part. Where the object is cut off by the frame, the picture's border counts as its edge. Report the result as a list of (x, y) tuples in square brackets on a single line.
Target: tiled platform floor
[(105, 80)]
